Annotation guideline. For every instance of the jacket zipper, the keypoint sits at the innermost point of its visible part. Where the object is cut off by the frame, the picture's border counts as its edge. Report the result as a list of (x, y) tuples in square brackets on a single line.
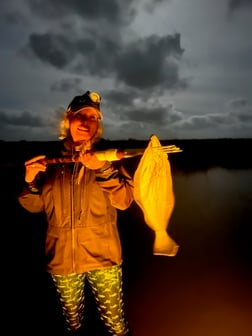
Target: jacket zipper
[(72, 216)]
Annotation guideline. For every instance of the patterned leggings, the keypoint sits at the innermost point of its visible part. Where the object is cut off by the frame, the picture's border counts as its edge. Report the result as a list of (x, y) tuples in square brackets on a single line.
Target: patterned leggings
[(106, 285)]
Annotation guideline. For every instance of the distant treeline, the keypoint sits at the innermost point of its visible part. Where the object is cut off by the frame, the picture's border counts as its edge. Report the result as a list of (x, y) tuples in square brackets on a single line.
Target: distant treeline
[(196, 154)]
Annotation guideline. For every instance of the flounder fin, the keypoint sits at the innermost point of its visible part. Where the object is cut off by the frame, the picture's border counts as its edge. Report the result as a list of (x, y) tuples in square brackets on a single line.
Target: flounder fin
[(164, 244)]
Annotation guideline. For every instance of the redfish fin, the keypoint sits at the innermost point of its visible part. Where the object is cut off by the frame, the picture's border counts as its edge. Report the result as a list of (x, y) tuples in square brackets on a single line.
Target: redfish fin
[(164, 244)]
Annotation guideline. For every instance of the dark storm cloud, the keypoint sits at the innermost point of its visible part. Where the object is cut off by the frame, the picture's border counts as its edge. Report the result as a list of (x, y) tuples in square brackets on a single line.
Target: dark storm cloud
[(86, 49), (237, 103), (154, 115), (203, 122), (97, 56), (241, 110), (24, 119), (121, 97), (26, 125), (129, 52), (144, 63), (237, 4), (127, 106), (238, 117), (66, 85), (14, 17), (151, 5), (113, 11), (83, 56), (53, 49), (245, 116), (149, 62)]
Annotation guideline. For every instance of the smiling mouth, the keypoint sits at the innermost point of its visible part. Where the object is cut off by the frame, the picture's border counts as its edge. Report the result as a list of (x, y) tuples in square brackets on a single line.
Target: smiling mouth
[(82, 129)]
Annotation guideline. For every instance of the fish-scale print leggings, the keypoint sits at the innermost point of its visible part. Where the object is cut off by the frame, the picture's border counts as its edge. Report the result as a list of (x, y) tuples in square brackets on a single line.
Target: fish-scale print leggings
[(106, 285)]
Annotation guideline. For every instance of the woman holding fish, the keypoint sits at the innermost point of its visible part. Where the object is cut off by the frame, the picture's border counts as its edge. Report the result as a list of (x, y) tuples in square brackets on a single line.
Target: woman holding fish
[(80, 200)]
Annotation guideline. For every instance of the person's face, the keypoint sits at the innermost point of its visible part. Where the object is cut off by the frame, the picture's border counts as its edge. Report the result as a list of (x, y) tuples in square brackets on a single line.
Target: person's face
[(84, 125)]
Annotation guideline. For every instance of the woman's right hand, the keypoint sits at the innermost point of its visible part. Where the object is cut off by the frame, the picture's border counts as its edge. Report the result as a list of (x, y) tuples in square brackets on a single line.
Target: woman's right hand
[(33, 167)]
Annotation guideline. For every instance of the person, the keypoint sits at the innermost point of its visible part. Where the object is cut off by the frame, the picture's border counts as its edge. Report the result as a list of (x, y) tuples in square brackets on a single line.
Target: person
[(80, 200)]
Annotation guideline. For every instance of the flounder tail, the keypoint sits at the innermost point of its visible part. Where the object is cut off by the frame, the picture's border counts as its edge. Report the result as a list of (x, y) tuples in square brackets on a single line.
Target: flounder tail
[(164, 244)]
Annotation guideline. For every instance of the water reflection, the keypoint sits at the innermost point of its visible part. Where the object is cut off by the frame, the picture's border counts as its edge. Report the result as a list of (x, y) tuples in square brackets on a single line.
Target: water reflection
[(206, 288), (212, 207)]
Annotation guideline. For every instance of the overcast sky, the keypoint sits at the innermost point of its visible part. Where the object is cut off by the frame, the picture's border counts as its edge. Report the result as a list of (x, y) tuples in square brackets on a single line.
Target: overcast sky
[(180, 69)]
